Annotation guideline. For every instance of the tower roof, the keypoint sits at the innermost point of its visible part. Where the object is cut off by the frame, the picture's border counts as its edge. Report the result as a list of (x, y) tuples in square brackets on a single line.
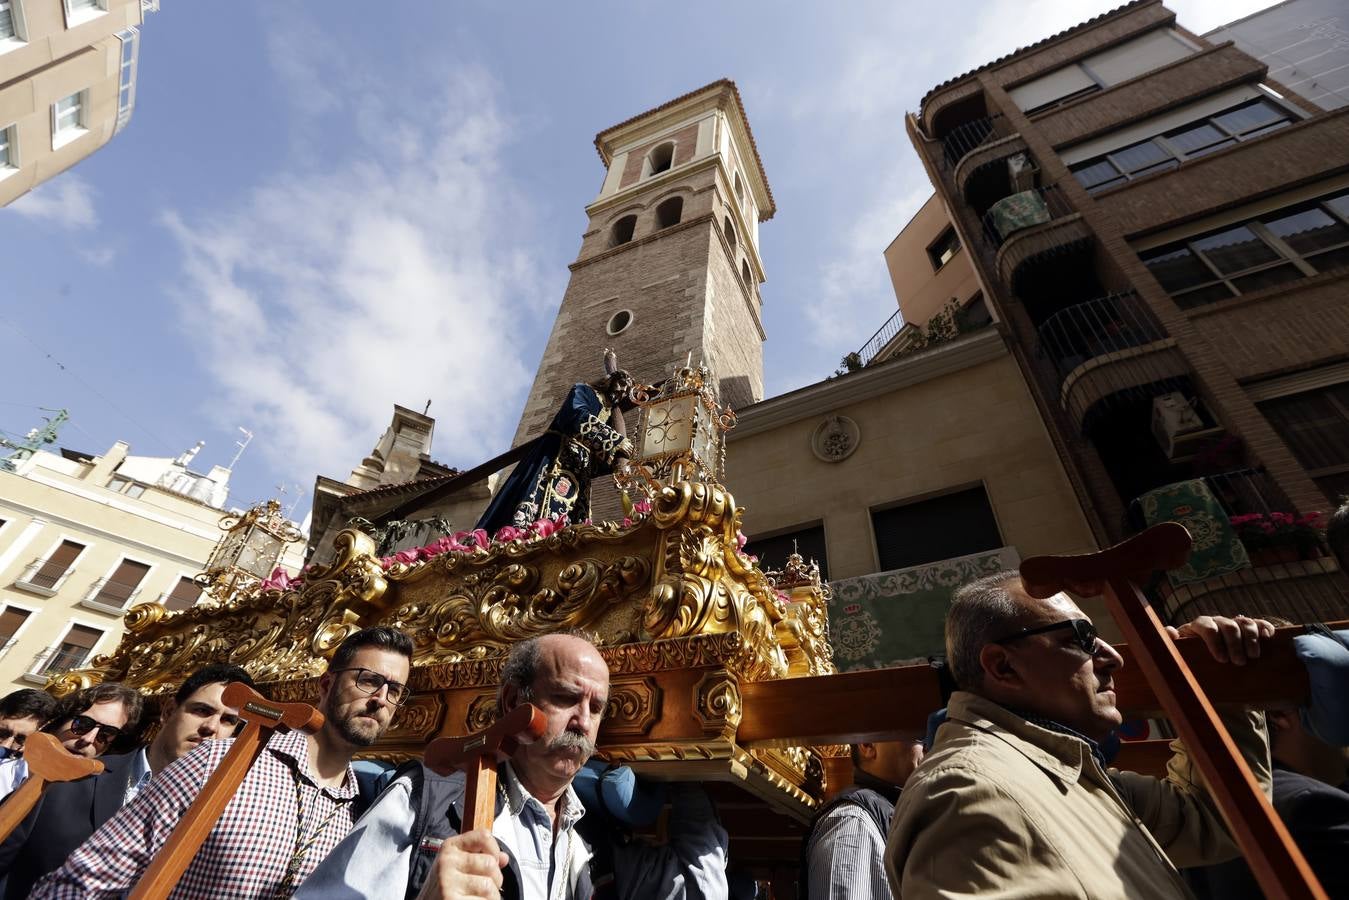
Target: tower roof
[(726, 95)]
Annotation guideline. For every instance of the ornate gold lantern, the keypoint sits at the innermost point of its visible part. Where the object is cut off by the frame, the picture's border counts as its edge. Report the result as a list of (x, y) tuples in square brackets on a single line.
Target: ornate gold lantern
[(682, 432), (249, 551)]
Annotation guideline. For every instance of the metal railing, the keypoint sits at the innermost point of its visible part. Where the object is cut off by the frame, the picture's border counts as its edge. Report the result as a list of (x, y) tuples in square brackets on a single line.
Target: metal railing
[(1250, 490), (44, 575), (963, 139), (1072, 336), (56, 660), (883, 336)]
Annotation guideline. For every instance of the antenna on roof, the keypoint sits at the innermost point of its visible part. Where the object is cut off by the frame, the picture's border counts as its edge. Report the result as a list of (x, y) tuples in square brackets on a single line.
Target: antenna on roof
[(242, 445), (34, 440), (427, 409)]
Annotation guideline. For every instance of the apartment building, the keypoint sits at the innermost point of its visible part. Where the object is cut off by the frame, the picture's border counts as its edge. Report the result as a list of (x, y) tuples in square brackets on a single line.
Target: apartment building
[(67, 83), (1162, 231), (83, 538)]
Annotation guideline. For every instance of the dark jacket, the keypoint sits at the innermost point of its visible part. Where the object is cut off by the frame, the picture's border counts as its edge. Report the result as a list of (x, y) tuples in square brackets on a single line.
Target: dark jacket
[(1317, 816), (65, 816)]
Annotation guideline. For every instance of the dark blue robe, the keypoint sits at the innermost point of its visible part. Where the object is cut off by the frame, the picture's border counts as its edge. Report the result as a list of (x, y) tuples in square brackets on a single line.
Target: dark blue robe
[(554, 479)]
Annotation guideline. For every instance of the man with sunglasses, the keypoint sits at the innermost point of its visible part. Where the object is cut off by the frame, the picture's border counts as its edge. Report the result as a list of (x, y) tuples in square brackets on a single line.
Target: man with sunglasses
[(294, 805), (1015, 799), (21, 713), (68, 813), (86, 723)]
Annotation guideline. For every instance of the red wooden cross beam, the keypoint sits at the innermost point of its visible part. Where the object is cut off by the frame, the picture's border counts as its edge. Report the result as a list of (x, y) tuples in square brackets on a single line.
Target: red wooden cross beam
[(477, 755), (261, 717), (1278, 865), (48, 762)]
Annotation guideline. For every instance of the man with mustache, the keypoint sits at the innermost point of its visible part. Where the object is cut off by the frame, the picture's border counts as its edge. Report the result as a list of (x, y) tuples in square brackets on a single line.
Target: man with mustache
[(1014, 799), (69, 812), (294, 805), (539, 848)]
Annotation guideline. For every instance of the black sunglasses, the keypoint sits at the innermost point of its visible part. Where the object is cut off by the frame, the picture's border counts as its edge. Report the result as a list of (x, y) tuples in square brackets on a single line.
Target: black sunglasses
[(370, 682), (104, 734), (1084, 634)]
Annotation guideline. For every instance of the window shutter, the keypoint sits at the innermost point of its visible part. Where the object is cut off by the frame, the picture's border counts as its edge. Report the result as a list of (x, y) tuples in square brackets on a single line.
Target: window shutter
[(10, 621), (928, 531), (82, 636), (183, 595), (122, 583)]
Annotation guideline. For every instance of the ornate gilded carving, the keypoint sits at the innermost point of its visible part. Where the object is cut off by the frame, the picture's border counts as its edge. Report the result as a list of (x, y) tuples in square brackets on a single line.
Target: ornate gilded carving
[(418, 721), (716, 704), (634, 706), (482, 712)]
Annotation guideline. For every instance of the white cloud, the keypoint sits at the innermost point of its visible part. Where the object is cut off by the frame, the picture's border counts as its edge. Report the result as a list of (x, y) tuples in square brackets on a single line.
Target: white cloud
[(98, 256), (67, 200), (396, 272)]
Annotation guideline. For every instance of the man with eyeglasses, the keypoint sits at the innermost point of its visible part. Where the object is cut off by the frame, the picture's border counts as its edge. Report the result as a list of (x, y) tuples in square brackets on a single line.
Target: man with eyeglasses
[(293, 807), (1015, 799), (86, 723), (21, 713), (68, 813)]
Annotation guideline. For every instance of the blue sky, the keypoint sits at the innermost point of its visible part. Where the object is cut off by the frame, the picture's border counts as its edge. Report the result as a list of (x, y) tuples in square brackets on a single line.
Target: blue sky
[(315, 213)]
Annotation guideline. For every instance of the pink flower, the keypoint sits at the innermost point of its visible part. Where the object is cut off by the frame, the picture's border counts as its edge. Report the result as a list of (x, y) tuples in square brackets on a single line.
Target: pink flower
[(480, 538), (509, 533), (641, 507), (279, 580), (1245, 519), (740, 540), (627, 523), (406, 557), (544, 527)]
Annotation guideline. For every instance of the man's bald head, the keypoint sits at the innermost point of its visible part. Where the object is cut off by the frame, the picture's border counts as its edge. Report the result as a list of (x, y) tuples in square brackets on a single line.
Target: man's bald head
[(546, 654)]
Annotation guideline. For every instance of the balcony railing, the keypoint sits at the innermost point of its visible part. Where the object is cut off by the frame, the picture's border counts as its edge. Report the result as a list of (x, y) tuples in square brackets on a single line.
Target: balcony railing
[(1110, 324), (111, 595), (57, 660), (43, 577), (883, 336), (963, 139)]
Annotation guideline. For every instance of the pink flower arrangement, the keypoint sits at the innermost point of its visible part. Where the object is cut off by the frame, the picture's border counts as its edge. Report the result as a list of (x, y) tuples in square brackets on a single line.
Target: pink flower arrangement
[(279, 580), (1259, 531), (476, 541)]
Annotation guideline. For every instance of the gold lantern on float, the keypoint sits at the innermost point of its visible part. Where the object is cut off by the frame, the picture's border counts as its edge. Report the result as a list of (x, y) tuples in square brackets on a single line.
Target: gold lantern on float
[(249, 551), (682, 431)]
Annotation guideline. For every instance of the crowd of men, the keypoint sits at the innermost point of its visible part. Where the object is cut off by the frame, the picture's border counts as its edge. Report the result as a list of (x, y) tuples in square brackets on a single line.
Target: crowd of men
[(1012, 794)]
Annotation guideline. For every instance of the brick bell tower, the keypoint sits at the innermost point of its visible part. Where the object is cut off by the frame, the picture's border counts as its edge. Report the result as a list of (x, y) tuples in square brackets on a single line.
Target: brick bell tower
[(669, 266)]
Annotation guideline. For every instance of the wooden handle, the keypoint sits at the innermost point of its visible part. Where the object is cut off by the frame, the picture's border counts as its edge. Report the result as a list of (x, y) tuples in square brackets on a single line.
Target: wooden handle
[(522, 725), (1277, 863), (262, 717), (48, 762)]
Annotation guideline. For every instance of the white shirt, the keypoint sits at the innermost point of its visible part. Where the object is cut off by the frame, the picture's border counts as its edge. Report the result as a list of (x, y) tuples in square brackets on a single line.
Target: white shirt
[(526, 827), (138, 777), (13, 772)]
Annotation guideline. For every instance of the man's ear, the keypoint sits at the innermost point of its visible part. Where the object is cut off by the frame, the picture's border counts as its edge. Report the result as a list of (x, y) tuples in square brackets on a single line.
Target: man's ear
[(325, 685), (997, 665), (866, 752), (510, 697), (167, 708)]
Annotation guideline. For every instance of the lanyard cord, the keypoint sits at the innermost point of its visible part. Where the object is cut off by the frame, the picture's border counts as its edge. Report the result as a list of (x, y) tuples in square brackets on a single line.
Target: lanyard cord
[(302, 844)]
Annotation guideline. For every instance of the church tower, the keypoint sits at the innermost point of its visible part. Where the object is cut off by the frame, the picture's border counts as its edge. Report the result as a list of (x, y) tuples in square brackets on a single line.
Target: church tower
[(669, 267)]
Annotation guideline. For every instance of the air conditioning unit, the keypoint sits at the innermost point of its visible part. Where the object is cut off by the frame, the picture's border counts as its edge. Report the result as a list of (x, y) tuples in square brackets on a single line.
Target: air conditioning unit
[(1021, 172), (1174, 418)]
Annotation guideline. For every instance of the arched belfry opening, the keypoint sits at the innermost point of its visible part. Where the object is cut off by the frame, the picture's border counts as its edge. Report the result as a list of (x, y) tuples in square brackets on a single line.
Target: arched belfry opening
[(660, 159), (670, 212)]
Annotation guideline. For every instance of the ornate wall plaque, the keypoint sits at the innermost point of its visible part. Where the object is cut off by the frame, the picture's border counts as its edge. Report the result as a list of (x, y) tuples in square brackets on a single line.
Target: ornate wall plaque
[(835, 439)]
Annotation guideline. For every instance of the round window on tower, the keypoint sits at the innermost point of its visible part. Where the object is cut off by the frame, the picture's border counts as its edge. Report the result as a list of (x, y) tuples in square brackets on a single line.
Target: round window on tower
[(619, 322)]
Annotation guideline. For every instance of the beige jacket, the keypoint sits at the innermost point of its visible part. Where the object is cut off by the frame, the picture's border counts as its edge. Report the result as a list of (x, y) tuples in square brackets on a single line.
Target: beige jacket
[(1003, 809)]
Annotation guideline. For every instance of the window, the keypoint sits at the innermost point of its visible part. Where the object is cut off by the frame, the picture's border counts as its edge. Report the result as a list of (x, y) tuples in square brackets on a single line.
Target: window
[(126, 82), (78, 11), (727, 227), (975, 314), (72, 651), (669, 212), (184, 594), (1190, 141), (123, 486), (1101, 70), (739, 190), (660, 159), (11, 620), (54, 568), (123, 584), (9, 29), (1278, 247), (623, 230), (68, 119), (619, 322), (745, 274), (932, 530), (1316, 426), (773, 551), (943, 248), (7, 155)]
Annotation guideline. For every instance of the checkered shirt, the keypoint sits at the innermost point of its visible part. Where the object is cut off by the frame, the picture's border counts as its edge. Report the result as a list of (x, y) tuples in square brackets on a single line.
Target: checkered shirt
[(247, 853)]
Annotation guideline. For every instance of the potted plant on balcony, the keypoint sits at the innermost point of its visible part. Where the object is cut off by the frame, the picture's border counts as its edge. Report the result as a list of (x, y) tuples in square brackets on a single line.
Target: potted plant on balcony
[(1279, 537)]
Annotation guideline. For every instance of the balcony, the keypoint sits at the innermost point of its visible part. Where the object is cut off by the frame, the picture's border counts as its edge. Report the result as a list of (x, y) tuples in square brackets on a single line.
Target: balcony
[(1304, 586), (54, 661), (1104, 346), (110, 596), (1031, 233), (42, 578), (987, 160)]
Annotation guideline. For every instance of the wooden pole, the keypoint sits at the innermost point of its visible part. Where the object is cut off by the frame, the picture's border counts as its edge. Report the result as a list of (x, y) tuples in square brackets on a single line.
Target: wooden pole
[(477, 756), (1278, 864), (48, 762), (261, 717)]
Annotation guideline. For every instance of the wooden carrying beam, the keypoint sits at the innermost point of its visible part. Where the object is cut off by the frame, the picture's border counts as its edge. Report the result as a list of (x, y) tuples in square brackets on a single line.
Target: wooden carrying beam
[(1276, 861), (477, 755), (893, 704), (48, 762), (261, 717)]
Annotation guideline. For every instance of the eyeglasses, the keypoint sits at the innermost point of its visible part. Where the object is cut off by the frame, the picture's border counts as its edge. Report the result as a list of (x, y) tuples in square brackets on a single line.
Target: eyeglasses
[(370, 682), (1084, 634), (104, 734)]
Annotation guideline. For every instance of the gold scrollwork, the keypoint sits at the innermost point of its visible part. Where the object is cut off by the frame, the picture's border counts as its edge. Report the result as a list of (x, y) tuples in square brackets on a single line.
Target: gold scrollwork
[(634, 706)]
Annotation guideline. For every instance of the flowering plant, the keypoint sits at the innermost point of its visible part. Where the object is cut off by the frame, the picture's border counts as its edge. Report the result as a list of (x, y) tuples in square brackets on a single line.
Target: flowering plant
[(1273, 530)]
